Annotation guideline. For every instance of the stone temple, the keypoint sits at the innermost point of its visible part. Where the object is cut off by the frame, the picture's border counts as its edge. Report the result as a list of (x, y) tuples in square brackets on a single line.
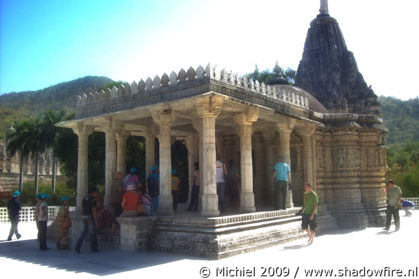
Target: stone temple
[(328, 129)]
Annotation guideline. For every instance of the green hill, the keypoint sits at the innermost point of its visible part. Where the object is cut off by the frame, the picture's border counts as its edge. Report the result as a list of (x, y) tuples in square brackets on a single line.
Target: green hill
[(58, 97), (401, 118)]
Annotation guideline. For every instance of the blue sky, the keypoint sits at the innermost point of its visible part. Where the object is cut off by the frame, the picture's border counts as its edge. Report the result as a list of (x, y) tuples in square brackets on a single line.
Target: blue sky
[(45, 42)]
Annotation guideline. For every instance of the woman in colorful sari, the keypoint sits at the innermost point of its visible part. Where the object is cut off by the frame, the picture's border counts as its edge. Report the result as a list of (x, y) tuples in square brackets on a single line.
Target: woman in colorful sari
[(63, 224)]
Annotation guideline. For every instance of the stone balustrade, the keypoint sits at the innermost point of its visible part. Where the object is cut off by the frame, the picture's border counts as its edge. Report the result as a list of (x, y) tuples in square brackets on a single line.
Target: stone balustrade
[(287, 94)]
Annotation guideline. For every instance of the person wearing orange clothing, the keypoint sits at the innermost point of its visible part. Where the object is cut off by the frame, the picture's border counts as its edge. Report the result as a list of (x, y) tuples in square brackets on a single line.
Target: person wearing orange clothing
[(129, 202)]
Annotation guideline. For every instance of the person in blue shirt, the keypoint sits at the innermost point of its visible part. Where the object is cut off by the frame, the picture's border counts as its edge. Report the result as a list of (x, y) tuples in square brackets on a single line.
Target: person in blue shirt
[(13, 208), (281, 179)]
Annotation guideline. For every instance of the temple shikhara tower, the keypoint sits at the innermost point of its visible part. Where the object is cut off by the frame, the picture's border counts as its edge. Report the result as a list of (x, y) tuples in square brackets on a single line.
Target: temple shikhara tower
[(327, 128)]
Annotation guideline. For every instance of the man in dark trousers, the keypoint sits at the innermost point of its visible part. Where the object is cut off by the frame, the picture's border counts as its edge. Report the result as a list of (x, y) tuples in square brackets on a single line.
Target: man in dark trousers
[(394, 196), (43, 222), (13, 208), (89, 220), (281, 180)]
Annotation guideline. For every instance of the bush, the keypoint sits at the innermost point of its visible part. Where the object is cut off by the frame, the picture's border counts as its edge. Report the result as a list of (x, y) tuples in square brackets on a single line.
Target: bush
[(28, 198)]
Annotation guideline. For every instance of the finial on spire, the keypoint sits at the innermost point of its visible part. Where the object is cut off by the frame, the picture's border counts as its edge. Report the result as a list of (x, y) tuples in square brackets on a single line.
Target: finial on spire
[(324, 7)]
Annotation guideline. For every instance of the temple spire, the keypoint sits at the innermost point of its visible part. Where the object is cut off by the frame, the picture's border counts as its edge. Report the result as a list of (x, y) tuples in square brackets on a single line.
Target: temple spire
[(324, 7)]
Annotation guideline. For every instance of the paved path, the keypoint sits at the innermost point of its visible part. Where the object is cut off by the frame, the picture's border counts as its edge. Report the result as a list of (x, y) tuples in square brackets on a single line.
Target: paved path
[(349, 251)]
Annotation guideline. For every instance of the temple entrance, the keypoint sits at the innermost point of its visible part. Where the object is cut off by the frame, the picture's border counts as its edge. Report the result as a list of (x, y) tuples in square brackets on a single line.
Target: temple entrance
[(135, 157), (180, 164)]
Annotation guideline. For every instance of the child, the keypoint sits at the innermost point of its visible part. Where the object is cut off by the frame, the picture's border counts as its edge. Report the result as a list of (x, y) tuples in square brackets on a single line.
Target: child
[(146, 201), (408, 205)]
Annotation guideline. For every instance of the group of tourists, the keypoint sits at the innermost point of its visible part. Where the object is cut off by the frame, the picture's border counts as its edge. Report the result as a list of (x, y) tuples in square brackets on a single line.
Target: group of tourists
[(63, 221), (129, 198)]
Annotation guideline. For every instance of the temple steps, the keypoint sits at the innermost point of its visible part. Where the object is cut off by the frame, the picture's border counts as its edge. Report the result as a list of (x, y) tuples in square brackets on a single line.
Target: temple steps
[(220, 237)]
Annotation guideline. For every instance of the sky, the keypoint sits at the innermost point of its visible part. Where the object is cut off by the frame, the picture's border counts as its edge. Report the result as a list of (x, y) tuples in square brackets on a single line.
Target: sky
[(46, 42)]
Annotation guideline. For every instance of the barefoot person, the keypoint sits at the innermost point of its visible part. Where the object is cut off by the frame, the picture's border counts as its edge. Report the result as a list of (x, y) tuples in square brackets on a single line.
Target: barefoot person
[(309, 212)]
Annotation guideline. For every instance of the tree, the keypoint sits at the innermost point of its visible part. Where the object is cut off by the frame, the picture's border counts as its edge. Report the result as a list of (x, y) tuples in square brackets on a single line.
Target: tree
[(18, 141), (49, 135), (37, 145)]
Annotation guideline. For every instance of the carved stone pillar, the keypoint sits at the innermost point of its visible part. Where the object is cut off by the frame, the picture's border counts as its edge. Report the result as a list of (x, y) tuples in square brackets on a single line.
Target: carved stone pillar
[(197, 125), (269, 135), (150, 160), (82, 133), (259, 184), (245, 120), (285, 130), (307, 135), (110, 159), (164, 118), (208, 108), (121, 151)]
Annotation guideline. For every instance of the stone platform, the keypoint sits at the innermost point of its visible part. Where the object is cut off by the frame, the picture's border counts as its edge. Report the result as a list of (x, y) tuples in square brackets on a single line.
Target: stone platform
[(220, 237), (207, 237)]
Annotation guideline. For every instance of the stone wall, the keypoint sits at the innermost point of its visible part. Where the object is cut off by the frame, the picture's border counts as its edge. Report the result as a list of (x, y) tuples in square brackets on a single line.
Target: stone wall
[(351, 166)]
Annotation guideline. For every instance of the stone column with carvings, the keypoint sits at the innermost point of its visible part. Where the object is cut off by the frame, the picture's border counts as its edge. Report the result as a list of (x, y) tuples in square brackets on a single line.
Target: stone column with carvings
[(197, 125), (121, 152), (259, 184), (285, 130), (247, 196), (150, 160), (110, 159), (164, 118), (307, 134), (269, 135), (82, 133), (208, 108)]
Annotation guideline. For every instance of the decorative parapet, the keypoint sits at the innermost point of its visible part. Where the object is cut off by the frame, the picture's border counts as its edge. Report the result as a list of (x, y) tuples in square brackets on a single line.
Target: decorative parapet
[(151, 91)]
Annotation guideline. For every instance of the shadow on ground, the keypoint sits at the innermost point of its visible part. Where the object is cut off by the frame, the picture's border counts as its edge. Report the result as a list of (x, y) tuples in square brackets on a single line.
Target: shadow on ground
[(103, 263)]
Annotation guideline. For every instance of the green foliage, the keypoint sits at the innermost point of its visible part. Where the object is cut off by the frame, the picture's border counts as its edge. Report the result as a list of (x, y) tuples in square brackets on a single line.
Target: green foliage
[(266, 75), (28, 198), (402, 160), (114, 83), (179, 154), (401, 118), (16, 106), (96, 159), (135, 154)]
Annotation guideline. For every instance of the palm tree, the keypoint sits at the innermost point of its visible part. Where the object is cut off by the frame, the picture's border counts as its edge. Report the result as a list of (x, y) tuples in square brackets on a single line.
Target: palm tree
[(18, 141), (37, 145), (49, 134)]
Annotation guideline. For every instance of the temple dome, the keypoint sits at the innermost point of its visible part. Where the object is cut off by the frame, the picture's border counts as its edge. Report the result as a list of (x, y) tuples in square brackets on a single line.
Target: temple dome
[(313, 103)]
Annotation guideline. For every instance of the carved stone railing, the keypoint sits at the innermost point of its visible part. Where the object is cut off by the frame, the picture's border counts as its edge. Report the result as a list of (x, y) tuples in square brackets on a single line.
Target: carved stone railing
[(167, 84)]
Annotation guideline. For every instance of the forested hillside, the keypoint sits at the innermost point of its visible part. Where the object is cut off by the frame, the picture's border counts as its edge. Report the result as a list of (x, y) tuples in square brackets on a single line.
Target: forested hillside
[(401, 118), (58, 97)]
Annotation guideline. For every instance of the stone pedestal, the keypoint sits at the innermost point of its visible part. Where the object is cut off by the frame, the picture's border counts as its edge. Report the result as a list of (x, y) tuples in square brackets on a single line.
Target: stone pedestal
[(135, 232)]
